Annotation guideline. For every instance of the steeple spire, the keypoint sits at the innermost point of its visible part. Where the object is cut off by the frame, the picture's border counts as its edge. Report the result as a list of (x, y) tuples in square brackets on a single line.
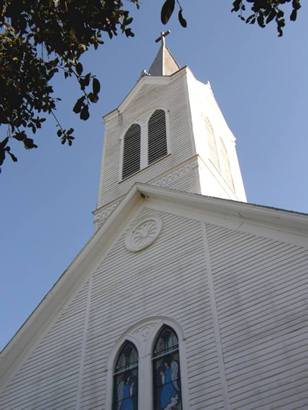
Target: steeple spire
[(164, 63)]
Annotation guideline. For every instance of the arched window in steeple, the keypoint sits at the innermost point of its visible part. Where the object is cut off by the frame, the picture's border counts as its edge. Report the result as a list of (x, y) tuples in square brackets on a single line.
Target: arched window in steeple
[(125, 378), (131, 151), (166, 371), (157, 136)]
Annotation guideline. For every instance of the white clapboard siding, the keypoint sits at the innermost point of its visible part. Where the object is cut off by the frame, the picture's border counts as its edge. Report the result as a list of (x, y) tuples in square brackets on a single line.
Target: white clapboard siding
[(49, 376), (172, 99), (240, 299), (261, 288), (168, 279)]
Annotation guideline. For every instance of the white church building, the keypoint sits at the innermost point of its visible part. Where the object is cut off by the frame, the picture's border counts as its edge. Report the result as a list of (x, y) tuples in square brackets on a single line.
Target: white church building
[(186, 297)]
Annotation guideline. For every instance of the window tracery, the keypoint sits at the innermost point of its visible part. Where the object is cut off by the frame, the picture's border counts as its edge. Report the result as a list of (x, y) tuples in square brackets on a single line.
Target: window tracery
[(145, 368)]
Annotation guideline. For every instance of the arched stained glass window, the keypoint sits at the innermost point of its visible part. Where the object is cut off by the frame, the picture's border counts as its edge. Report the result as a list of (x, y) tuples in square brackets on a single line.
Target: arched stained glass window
[(157, 135), (125, 379), (131, 151), (166, 371)]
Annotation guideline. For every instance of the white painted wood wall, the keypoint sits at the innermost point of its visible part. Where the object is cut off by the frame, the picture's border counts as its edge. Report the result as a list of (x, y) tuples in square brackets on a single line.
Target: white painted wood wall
[(235, 290), (186, 102), (239, 294), (150, 94)]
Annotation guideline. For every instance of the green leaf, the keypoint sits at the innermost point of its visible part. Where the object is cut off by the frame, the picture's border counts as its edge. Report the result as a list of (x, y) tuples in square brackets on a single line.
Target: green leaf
[(260, 20), (293, 15), (271, 16), (128, 20), (78, 105), (296, 4), (20, 136), (129, 33), (84, 82), (96, 86), (29, 143), (236, 5), (84, 115), (93, 97), (4, 142), (2, 156), (167, 10), (182, 21), (79, 68), (13, 157)]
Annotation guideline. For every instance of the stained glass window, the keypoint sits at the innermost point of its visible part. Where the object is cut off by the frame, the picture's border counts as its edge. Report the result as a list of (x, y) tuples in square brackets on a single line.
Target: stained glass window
[(166, 371), (125, 379)]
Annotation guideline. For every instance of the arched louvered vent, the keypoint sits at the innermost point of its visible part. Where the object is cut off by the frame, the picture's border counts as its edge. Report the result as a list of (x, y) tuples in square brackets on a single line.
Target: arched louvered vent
[(131, 151), (157, 147)]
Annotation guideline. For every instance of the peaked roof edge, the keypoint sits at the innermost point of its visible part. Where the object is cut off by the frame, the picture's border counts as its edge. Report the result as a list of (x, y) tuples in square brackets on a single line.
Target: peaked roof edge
[(90, 256), (71, 278), (164, 63), (139, 83)]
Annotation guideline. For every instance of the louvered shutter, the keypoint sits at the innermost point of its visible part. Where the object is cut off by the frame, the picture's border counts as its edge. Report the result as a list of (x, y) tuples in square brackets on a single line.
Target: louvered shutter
[(131, 151), (157, 136)]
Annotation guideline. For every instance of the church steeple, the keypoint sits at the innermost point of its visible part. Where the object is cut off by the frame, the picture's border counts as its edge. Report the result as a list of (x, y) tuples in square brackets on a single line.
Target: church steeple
[(164, 63), (168, 131)]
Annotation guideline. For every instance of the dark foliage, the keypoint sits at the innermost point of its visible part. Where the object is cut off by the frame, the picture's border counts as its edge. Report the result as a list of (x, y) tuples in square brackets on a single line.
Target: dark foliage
[(39, 39), (263, 12), (42, 38)]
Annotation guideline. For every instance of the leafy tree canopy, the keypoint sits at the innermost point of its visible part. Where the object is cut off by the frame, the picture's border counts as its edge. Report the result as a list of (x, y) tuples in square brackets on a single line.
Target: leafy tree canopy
[(42, 38)]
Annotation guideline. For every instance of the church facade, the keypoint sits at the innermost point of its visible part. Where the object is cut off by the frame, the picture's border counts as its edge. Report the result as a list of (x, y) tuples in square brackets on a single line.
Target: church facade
[(186, 296)]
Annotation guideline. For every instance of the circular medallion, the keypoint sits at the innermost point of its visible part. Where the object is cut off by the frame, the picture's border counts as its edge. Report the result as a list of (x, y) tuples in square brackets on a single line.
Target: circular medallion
[(143, 234)]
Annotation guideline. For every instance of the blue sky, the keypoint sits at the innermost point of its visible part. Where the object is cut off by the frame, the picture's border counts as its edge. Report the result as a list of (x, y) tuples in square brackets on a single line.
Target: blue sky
[(261, 84)]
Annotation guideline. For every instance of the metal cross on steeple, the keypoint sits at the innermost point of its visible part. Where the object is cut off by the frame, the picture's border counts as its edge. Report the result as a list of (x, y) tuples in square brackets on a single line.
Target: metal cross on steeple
[(162, 36), (164, 63)]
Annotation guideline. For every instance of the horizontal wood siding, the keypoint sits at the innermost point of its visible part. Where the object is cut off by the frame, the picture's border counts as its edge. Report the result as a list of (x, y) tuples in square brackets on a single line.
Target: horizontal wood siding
[(247, 339), (261, 288), (48, 379), (170, 98), (169, 278)]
